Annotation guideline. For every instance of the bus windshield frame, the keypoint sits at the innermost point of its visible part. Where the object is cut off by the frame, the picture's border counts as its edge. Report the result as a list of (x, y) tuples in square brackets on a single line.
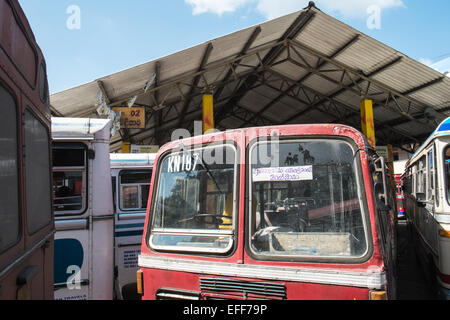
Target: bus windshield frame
[(201, 232), (306, 256)]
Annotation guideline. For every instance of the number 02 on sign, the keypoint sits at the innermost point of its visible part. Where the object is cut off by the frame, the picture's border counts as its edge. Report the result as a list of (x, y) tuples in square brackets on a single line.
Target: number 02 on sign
[(132, 118)]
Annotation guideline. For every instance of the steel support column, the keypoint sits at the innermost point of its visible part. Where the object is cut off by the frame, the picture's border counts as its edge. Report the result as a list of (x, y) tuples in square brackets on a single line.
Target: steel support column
[(367, 123)]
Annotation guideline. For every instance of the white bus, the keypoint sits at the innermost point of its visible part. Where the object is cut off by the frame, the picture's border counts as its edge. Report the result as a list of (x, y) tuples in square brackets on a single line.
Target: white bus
[(84, 216), (427, 205), (130, 175)]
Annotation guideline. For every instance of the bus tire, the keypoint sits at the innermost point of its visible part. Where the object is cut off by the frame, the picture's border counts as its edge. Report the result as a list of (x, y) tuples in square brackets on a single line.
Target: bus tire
[(129, 292), (434, 284)]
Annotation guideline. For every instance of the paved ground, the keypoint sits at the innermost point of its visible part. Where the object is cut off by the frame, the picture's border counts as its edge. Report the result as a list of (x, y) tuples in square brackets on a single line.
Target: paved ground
[(412, 281)]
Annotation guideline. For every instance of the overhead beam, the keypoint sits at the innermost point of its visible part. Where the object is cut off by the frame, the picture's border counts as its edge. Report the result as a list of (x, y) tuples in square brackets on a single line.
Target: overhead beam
[(344, 118), (361, 75), (345, 87), (243, 51), (124, 132), (359, 81), (182, 99), (423, 86), (374, 72), (332, 56), (304, 78), (291, 33), (168, 124), (159, 114), (317, 95), (350, 86), (203, 62), (348, 107), (414, 90), (248, 117), (182, 79), (102, 89)]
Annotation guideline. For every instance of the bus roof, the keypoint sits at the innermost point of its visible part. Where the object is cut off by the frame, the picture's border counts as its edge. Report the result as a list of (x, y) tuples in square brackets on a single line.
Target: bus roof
[(444, 126), (443, 129), (120, 160), (78, 128), (310, 130)]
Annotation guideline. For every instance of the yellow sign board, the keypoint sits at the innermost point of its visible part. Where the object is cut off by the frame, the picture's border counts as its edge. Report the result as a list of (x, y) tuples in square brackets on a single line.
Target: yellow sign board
[(132, 118), (126, 147)]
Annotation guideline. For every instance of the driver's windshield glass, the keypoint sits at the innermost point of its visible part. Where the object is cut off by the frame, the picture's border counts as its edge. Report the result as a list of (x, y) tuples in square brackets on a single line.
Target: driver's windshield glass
[(306, 203), (194, 204)]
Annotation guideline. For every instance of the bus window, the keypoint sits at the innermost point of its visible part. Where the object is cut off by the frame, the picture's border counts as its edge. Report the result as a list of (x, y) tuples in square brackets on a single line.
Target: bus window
[(430, 172), (447, 171), (43, 86), (134, 188), (9, 186), (113, 185), (69, 176), (408, 181), (16, 44), (191, 212), (308, 205), (37, 164), (436, 179), (421, 181)]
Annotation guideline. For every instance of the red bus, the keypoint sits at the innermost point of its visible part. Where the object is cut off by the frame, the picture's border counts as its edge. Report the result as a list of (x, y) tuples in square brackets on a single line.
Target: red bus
[(288, 212), (26, 217)]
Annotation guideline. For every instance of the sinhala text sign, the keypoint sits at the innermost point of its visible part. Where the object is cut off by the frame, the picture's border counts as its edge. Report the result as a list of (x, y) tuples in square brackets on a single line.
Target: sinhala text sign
[(132, 118)]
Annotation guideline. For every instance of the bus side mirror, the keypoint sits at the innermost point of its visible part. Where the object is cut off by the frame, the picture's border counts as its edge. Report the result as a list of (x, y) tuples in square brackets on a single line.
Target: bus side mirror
[(381, 187)]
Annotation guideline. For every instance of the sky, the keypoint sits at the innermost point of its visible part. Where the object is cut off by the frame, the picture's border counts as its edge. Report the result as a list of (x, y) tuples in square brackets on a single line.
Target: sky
[(83, 40)]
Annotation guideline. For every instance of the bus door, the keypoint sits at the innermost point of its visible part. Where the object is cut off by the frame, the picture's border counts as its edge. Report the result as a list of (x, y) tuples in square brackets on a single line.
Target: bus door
[(70, 185), (131, 188), (386, 222)]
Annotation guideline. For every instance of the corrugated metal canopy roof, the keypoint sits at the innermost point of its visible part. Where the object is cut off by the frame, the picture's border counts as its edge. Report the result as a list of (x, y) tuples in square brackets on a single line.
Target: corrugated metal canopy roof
[(305, 67)]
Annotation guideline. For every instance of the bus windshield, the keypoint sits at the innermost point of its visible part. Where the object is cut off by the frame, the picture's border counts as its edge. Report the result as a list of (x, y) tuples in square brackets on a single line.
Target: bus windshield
[(194, 201), (308, 203)]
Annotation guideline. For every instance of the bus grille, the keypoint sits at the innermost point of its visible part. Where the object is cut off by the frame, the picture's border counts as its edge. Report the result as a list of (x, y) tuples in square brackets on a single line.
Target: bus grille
[(217, 288)]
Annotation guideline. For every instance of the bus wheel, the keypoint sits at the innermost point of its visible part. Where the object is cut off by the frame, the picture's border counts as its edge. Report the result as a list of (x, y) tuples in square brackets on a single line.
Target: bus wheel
[(129, 292), (434, 284)]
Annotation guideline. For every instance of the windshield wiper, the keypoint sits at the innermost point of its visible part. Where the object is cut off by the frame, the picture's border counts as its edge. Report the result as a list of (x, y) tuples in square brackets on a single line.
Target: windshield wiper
[(208, 171)]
